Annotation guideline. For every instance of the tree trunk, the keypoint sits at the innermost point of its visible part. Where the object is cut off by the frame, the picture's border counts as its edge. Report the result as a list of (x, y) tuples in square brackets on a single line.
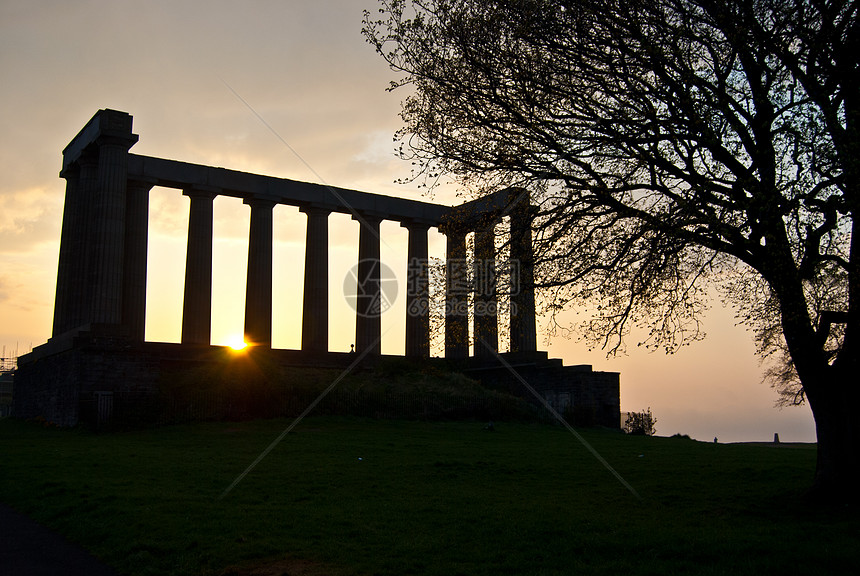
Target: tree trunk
[(834, 406), (830, 389)]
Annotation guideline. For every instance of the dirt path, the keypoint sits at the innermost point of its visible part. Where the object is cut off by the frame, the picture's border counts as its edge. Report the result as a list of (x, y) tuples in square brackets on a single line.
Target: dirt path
[(29, 549)]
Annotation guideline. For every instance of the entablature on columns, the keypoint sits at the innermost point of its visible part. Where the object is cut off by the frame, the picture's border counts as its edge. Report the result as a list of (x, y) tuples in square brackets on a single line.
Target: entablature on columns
[(244, 185), (485, 211)]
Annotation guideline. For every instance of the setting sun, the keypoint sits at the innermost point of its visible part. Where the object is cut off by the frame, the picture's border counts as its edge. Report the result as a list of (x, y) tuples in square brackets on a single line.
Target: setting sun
[(237, 343)]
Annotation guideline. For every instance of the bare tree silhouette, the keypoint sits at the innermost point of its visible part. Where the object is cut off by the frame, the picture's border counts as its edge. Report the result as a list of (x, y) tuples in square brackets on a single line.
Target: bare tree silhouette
[(669, 145)]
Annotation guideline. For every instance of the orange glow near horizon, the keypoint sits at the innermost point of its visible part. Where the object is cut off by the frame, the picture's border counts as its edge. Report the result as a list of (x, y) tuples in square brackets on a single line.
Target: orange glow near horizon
[(237, 343)]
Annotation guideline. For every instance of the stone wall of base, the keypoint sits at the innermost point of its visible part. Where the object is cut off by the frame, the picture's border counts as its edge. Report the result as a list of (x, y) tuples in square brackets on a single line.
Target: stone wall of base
[(96, 379), (63, 387), (581, 395), (48, 389)]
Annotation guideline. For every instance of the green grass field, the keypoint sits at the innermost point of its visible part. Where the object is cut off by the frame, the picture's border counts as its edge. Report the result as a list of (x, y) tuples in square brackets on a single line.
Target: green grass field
[(360, 496)]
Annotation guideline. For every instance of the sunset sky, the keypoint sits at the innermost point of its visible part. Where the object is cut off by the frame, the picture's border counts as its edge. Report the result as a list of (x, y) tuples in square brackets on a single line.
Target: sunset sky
[(177, 67)]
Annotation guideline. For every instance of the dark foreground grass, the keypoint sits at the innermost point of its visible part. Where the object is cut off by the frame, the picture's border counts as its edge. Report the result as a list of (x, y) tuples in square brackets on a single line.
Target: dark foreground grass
[(356, 496)]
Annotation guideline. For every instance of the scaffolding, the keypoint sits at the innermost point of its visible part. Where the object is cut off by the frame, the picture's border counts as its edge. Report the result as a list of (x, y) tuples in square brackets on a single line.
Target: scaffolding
[(8, 362), (8, 365)]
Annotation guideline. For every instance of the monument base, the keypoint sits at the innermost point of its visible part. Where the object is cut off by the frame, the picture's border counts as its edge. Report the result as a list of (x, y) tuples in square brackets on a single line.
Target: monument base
[(99, 378)]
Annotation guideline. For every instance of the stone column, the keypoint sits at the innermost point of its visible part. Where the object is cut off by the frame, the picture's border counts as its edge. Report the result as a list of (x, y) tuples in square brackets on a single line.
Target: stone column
[(523, 324), (485, 303), (315, 296), (258, 291), (197, 303), (82, 281), (108, 248), (368, 301), (68, 265), (134, 272), (456, 296), (417, 292)]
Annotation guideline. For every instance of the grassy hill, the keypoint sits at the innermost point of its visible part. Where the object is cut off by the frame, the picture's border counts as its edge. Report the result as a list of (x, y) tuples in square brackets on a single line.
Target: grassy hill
[(363, 496), (248, 386)]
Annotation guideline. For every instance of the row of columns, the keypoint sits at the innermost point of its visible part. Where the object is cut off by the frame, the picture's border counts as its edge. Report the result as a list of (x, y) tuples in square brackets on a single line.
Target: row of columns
[(523, 335), (127, 306), (197, 303), (101, 275), (196, 326)]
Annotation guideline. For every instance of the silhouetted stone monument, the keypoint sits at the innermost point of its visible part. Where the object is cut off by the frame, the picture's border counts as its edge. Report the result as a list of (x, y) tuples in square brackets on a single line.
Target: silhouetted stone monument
[(97, 345)]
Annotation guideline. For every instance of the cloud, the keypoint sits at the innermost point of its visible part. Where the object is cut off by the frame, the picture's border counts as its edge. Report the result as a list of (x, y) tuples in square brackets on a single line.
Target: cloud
[(5, 289), (29, 218), (27, 284)]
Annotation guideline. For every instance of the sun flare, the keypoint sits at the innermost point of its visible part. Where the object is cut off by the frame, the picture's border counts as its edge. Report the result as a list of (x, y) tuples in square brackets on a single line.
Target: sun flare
[(237, 343)]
